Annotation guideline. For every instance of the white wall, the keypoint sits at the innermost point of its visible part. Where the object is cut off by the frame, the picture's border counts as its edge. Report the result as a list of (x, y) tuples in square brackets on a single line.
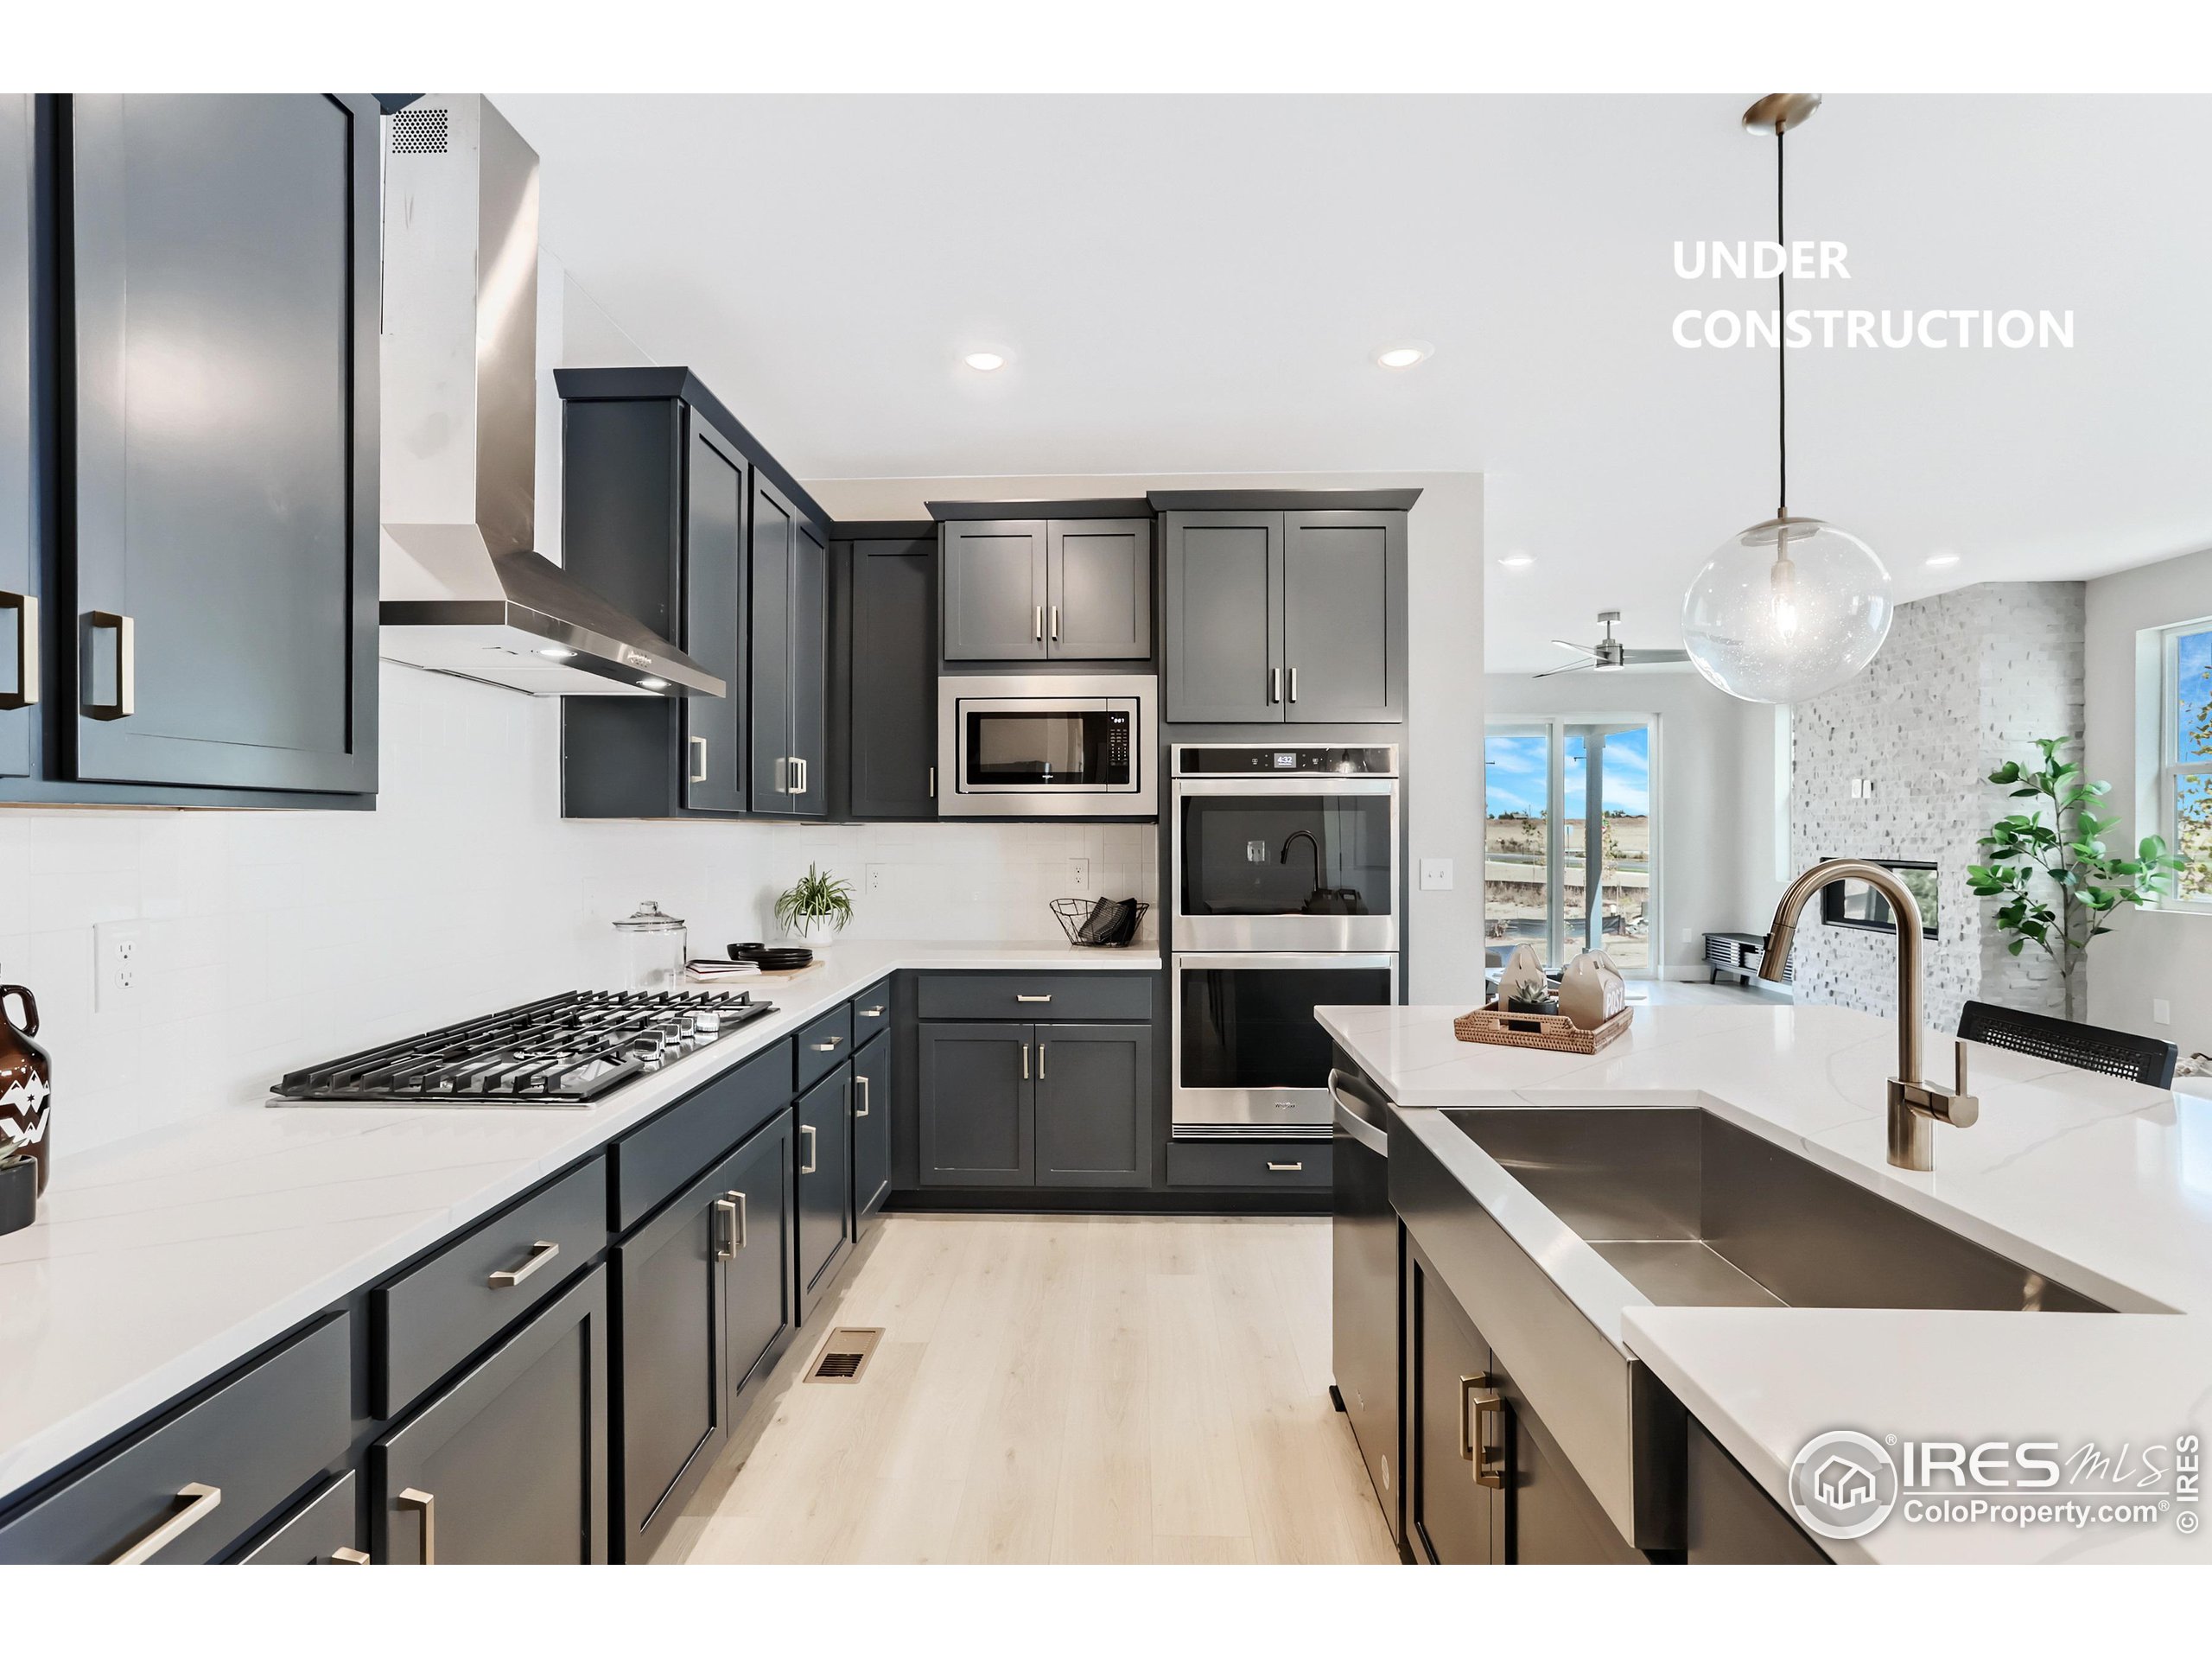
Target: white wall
[(1716, 803), (2149, 954), (1444, 730)]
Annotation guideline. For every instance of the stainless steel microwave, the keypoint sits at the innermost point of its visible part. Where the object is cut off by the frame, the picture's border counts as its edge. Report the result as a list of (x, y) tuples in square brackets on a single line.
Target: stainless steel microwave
[(1073, 745)]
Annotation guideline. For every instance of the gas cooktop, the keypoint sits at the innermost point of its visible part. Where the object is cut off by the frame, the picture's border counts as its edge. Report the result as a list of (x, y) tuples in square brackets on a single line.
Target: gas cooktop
[(568, 1050)]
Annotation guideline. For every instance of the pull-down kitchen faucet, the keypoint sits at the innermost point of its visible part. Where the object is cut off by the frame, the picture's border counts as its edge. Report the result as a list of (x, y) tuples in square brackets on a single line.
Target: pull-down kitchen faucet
[(1915, 1106)]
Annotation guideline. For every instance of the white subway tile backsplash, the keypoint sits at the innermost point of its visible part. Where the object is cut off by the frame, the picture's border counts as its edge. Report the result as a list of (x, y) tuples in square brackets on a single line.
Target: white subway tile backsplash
[(276, 939)]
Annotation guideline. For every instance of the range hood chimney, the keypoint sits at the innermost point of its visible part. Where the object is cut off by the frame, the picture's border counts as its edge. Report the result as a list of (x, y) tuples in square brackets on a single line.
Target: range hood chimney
[(464, 591)]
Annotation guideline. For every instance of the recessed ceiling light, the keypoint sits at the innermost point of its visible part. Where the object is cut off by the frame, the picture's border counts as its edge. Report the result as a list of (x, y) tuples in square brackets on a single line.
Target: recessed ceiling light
[(1404, 353), (557, 652), (1517, 560), (652, 683), (1942, 560), (984, 362)]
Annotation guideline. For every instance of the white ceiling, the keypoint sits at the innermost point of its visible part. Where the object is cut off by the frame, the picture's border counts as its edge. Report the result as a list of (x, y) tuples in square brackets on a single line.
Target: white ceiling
[(1198, 284)]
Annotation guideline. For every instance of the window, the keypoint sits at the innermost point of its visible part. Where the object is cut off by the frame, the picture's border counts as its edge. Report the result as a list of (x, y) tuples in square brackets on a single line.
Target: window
[(2185, 749), (1547, 782)]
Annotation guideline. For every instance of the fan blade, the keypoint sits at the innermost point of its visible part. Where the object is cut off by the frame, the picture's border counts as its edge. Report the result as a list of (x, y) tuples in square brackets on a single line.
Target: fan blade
[(1634, 655), (1568, 645), (1587, 662)]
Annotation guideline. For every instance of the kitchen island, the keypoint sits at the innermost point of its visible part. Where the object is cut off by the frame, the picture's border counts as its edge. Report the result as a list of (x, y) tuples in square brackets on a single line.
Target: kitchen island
[(2102, 1185)]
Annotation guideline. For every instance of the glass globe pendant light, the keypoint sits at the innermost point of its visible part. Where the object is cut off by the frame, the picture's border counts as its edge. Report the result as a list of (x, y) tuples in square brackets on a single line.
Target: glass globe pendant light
[(1792, 607)]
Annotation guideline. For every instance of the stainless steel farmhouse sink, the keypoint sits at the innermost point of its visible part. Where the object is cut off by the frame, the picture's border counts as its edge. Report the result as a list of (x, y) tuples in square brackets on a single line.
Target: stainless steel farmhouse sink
[(1547, 1221), (1696, 1212)]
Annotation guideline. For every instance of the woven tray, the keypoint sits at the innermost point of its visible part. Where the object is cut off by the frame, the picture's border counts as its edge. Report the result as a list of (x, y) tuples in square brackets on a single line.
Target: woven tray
[(1490, 1024)]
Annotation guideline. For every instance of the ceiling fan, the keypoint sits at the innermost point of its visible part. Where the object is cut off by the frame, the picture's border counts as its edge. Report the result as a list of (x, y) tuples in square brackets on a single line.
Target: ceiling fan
[(1610, 653)]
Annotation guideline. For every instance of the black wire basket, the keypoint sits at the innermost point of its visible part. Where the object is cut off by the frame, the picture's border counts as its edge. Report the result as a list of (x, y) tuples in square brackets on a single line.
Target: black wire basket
[(1076, 916)]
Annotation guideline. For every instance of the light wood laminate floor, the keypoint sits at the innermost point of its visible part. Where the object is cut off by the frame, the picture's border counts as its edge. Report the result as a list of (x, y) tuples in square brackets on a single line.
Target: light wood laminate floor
[(1073, 1389)]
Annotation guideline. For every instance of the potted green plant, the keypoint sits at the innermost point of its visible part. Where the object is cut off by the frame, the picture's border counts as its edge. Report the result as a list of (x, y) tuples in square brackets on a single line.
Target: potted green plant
[(2058, 880), (814, 905)]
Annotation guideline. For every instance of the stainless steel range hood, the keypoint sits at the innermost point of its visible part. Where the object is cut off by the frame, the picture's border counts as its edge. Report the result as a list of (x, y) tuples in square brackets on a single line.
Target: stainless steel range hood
[(464, 591)]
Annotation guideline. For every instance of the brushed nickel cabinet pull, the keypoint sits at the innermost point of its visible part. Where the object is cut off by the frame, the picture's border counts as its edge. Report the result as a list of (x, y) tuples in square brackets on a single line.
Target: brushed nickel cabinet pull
[(1275, 685), (1490, 1456), (204, 1500), (699, 747), (725, 1237), (744, 1220), (1056, 622), (1025, 1062), (346, 1555), (875, 1013), (25, 606), (1287, 1169), (932, 783), (414, 1497), (1022, 997), (828, 1047), (800, 762), (813, 1154), (867, 1100), (540, 1253), (1040, 1062), (1467, 1387), (1040, 621), (1293, 685), (126, 667)]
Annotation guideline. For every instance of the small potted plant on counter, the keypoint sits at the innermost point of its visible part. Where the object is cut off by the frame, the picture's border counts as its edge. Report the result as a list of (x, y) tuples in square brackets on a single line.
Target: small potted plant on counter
[(815, 906)]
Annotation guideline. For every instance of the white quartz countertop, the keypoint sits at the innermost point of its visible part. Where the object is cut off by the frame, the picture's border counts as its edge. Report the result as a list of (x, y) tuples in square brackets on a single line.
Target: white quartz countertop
[(2103, 1183), (159, 1261)]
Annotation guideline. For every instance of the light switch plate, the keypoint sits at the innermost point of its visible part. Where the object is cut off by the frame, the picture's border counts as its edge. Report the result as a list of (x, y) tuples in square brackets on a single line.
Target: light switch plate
[(1436, 876), (2161, 1011), (118, 965)]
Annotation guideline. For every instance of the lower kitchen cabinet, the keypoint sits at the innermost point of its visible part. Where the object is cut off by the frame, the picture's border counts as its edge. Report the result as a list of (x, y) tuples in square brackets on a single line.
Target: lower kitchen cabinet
[(703, 1293), (1093, 1105), (978, 1115), (871, 1130), (1486, 1483), (508, 1464), (825, 1183), (1456, 1494), (1732, 1522)]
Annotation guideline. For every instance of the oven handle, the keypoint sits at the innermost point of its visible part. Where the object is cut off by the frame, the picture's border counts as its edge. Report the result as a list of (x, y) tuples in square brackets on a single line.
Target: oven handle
[(1350, 1122)]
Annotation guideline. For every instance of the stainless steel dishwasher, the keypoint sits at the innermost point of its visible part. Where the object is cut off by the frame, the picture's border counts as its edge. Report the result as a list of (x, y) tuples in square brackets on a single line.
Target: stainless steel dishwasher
[(1366, 1330)]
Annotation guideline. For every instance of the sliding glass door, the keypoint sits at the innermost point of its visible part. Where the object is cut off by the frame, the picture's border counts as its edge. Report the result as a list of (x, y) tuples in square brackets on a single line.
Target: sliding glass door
[(1569, 838)]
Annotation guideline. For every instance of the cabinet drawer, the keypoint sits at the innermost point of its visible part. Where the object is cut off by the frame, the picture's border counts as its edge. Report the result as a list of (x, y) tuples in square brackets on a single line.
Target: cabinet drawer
[(1237, 1163), (316, 1532), (253, 1440), (436, 1315), (653, 1162), (824, 1045), (871, 1011), (1036, 996)]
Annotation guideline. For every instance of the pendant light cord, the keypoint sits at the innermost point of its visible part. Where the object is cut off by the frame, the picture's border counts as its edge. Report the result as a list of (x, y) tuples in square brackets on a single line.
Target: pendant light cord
[(1781, 344)]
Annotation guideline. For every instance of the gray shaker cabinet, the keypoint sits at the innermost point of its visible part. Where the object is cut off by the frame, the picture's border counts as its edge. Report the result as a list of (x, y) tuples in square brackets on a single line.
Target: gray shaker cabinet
[(1343, 616), (995, 583), (978, 1105), (1221, 616), (714, 620), (221, 403), (891, 672), (790, 657), (1291, 617), (1094, 1105), (18, 522), (1099, 588)]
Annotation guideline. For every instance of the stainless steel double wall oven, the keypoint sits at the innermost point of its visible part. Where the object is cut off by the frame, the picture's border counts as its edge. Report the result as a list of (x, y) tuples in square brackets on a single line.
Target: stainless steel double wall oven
[(1284, 888)]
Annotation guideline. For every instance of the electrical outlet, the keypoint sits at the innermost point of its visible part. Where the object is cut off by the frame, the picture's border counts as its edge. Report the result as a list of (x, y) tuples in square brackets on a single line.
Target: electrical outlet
[(1436, 876), (118, 964), (874, 878), (1078, 875), (2161, 1011)]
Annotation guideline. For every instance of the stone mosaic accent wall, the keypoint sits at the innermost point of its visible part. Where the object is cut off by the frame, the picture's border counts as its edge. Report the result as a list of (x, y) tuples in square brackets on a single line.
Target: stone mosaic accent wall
[(1967, 680)]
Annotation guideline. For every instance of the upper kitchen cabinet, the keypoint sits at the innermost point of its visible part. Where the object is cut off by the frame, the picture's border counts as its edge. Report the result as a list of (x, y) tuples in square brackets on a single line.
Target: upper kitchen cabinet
[(19, 688), (883, 671), (675, 514), (188, 357), (790, 656), (1285, 606), (1071, 587)]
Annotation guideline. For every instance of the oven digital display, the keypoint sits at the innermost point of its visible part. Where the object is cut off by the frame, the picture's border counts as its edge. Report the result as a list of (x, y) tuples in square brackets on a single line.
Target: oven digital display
[(1285, 761)]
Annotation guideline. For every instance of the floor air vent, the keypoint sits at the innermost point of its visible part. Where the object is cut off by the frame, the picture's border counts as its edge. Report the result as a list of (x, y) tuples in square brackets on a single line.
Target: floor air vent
[(845, 1355)]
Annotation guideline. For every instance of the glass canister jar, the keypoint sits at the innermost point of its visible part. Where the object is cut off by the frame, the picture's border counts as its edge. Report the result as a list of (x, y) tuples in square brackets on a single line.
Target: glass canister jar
[(654, 949)]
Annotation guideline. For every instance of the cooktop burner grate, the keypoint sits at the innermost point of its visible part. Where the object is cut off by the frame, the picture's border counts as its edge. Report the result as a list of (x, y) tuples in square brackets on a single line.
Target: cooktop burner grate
[(568, 1050)]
